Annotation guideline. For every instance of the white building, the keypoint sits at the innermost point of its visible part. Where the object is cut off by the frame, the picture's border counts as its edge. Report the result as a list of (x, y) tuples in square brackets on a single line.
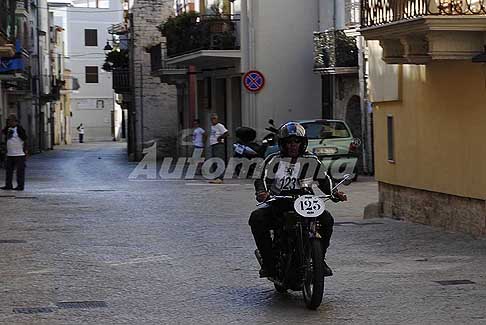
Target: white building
[(274, 37), (86, 23)]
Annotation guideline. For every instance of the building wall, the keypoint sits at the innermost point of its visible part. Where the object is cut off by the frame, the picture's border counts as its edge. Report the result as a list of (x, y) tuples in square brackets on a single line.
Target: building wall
[(155, 103), (439, 130), (277, 39), (93, 103)]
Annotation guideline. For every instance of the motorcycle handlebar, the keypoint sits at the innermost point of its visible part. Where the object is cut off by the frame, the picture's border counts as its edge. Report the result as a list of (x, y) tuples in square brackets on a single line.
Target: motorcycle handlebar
[(289, 197)]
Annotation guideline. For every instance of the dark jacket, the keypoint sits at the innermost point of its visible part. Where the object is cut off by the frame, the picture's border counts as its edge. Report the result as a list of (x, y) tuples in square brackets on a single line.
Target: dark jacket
[(311, 167), (20, 131)]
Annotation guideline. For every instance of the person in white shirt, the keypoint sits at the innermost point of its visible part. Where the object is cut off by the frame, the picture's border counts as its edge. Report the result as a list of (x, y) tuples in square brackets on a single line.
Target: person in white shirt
[(16, 153), (198, 135), (218, 135), (80, 129)]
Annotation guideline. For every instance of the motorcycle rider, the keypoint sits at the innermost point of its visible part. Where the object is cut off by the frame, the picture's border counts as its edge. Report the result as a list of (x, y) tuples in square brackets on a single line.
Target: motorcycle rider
[(288, 167)]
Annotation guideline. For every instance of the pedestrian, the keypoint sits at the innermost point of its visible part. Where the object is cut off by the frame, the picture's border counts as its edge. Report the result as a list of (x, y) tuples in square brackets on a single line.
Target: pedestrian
[(198, 135), (80, 129), (16, 153), (218, 135)]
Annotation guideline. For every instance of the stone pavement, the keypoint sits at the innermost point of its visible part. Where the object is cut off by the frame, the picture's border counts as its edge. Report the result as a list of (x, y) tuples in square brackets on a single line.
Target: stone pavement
[(181, 252)]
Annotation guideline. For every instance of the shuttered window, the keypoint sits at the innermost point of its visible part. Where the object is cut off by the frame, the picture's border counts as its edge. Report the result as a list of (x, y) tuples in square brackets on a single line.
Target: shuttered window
[(90, 37), (91, 75), (390, 138)]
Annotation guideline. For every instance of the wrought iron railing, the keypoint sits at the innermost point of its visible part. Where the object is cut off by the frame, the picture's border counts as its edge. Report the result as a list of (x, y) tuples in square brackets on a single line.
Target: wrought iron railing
[(7, 18), (121, 80), (380, 12)]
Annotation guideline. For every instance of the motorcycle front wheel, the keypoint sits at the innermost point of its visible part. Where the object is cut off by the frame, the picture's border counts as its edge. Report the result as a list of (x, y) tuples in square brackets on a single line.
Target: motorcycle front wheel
[(313, 289)]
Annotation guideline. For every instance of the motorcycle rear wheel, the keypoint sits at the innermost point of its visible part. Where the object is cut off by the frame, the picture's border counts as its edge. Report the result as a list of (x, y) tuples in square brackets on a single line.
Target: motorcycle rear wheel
[(313, 289)]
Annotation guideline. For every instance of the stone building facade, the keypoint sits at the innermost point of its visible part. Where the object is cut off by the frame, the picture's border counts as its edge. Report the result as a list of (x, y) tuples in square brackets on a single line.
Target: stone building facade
[(153, 114)]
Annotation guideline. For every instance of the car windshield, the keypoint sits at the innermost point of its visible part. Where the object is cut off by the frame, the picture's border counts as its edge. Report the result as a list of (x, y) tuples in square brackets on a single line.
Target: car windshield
[(326, 130)]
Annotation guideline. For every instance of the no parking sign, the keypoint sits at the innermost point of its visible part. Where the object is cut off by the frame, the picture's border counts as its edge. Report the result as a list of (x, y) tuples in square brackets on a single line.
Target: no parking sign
[(254, 81)]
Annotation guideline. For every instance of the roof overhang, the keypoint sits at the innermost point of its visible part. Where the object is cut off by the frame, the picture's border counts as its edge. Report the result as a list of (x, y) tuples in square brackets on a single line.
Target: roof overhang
[(207, 59)]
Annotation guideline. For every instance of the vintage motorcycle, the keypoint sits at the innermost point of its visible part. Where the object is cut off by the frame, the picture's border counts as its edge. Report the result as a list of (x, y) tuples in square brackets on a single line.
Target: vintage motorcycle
[(297, 245)]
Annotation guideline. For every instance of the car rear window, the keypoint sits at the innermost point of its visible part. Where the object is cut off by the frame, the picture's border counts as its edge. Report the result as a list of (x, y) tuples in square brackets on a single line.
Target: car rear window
[(327, 130)]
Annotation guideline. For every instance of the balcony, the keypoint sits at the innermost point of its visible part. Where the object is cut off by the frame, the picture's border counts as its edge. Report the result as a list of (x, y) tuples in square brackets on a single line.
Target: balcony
[(22, 8), (419, 31), (335, 53), (121, 80), (160, 68), (16, 67), (211, 41), (7, 27)]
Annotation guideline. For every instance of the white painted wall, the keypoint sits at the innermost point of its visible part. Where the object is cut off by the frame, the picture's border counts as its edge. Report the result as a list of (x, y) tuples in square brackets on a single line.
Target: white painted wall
[(93, 103), (277, 39)]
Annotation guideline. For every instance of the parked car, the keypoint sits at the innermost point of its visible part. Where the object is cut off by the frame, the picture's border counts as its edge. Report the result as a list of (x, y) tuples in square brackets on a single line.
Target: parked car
[(330, 140)]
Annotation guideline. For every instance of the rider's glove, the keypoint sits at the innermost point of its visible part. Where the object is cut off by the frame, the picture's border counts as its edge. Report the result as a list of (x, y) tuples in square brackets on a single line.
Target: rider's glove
[(262, 196), (339, 196)]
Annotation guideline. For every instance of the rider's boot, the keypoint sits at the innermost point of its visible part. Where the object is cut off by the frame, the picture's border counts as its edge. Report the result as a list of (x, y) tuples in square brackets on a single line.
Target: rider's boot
[(327, 269), (267, 272)]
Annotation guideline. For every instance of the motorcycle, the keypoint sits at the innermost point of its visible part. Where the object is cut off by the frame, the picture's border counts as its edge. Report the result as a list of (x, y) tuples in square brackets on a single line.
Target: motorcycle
[(246, 147), (297, 249)]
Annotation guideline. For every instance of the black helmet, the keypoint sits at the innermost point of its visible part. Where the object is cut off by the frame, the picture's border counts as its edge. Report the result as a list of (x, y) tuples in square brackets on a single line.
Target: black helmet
[(292, 130)]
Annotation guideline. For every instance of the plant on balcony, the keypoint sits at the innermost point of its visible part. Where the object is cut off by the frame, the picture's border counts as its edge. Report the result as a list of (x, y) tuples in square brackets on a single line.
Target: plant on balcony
[(335, 49), (189, 32), (182, 33), (346, 50), (116, 59)]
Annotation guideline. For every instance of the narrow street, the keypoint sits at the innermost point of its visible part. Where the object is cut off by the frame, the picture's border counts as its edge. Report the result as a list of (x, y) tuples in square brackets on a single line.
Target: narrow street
[(181, 252)]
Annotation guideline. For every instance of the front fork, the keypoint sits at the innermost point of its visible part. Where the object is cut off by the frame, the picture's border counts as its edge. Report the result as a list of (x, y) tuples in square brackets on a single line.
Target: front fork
[(305, 235)]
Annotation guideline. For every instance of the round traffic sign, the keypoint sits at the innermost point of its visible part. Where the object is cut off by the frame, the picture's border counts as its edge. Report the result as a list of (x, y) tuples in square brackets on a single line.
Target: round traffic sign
[(253, 81)]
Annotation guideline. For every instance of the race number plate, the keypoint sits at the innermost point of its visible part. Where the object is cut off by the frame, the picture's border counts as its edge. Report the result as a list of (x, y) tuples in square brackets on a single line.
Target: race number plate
[(309, 206)]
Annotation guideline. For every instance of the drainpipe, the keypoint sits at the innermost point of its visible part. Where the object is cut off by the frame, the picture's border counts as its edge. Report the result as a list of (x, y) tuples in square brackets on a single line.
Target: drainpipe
[(38, 80)]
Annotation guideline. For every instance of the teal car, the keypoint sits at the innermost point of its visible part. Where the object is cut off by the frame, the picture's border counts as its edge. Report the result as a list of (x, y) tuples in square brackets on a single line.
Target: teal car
[(334, 144)]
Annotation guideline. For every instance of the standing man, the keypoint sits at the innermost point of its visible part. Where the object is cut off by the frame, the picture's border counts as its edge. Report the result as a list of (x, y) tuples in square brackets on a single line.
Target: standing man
[(218, 134), (80, 129), (198, 135), (16, 153)]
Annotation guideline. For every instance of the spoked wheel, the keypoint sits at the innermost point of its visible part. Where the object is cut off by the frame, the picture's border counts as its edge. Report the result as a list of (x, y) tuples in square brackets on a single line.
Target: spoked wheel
[(314, 275)]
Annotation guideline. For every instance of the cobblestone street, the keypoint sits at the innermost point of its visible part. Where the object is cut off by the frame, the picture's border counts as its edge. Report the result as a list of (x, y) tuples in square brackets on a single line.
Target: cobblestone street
[(181, 252)]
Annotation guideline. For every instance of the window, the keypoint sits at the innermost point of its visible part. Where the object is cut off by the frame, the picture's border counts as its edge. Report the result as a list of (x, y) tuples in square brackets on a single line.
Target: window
[(91, 75), (390, 137), (90, 37), (326, 130), (92, 4)]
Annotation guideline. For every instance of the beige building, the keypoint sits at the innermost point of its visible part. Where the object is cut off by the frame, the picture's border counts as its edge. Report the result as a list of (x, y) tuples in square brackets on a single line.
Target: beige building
[(428, 87), (61, 107)]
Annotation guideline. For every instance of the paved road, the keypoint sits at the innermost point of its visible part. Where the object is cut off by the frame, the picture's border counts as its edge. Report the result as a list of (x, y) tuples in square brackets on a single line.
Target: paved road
[(180, 252)]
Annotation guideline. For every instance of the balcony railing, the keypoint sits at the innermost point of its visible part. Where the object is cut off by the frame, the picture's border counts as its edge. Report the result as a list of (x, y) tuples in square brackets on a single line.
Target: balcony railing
[(334, 49), (7, 19), (189, 33), (18, 65), (380, 12), (23, 5), (121, 81)]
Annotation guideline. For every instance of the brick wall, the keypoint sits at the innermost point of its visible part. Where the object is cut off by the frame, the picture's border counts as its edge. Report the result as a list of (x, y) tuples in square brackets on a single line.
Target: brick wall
[(159, 105), (446, 211)]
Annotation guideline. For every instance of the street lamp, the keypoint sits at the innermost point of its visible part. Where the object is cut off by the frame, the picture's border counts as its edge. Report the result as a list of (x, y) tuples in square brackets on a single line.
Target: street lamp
[(108, 47)]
